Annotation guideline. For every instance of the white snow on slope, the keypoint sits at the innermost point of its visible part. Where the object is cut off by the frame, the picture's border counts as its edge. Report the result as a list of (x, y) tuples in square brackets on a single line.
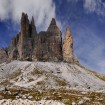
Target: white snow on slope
[(76, 76)]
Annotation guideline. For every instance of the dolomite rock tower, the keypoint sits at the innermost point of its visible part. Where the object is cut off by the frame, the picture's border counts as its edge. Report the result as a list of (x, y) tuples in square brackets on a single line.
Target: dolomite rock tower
[(28, 45), (68, 46)]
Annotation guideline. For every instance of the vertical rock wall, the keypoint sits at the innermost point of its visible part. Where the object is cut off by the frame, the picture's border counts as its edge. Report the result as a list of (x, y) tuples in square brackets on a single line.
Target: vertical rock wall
[(68, 46), (42, 46)]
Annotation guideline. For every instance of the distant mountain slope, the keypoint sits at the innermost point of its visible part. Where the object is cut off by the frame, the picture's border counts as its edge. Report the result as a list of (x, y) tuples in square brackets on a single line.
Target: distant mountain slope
[(51, 81)]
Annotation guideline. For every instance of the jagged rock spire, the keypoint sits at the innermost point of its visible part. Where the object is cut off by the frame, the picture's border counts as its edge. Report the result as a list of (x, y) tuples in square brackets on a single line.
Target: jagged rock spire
[(33, 27), (68, 46), (45, 46), (32, 21), (27, 37), (53, 22), (24, 26), (54, 28)]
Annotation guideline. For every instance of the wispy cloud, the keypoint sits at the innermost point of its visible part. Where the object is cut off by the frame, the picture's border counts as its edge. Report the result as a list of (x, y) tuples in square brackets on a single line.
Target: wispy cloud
[(42, 10), (90, 48), (96, 6)]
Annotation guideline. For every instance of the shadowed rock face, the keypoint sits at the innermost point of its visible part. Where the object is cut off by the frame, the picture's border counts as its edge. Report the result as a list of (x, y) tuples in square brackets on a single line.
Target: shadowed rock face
[(13, 48), (22, 45), (53, 28), (3, 55), (42, 46), (28, 32), (48, 45)]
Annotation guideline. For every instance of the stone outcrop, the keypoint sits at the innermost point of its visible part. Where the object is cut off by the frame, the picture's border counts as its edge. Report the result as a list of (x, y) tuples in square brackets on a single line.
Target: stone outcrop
[(3, 55), (68, 46), (43, 46)]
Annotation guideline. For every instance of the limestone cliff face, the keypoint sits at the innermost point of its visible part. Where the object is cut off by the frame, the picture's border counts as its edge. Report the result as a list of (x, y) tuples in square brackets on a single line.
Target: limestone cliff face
[(30, 45), (48, 45), (26, 43), (22, 45), (55, 41), (42, 46), (68, 46)]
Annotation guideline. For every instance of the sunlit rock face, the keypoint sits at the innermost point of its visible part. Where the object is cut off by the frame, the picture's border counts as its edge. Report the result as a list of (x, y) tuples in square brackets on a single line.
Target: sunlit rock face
[(68, 46)]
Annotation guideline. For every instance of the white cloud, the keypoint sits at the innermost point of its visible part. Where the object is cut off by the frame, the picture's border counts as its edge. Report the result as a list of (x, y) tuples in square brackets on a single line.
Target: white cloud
[(97, 6), (42, 10)]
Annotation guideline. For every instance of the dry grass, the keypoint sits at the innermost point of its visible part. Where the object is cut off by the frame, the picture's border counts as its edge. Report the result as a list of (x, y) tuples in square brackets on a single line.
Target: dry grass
[(37, 72), (66, 96)]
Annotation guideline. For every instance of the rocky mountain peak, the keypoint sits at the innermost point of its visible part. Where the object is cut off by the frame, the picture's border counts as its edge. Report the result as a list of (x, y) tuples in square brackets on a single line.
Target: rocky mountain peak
[(42, 46), (32, 21), (68, 31), (33, 27), (53, 28), (24, 18), (53, 22)]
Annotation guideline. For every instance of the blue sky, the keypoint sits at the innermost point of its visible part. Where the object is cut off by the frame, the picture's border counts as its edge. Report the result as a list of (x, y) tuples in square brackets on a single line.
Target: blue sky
[(86, 19)]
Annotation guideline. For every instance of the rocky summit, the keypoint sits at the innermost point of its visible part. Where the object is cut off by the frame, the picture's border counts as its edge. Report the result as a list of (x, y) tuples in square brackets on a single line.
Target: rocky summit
[(28, 45)]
